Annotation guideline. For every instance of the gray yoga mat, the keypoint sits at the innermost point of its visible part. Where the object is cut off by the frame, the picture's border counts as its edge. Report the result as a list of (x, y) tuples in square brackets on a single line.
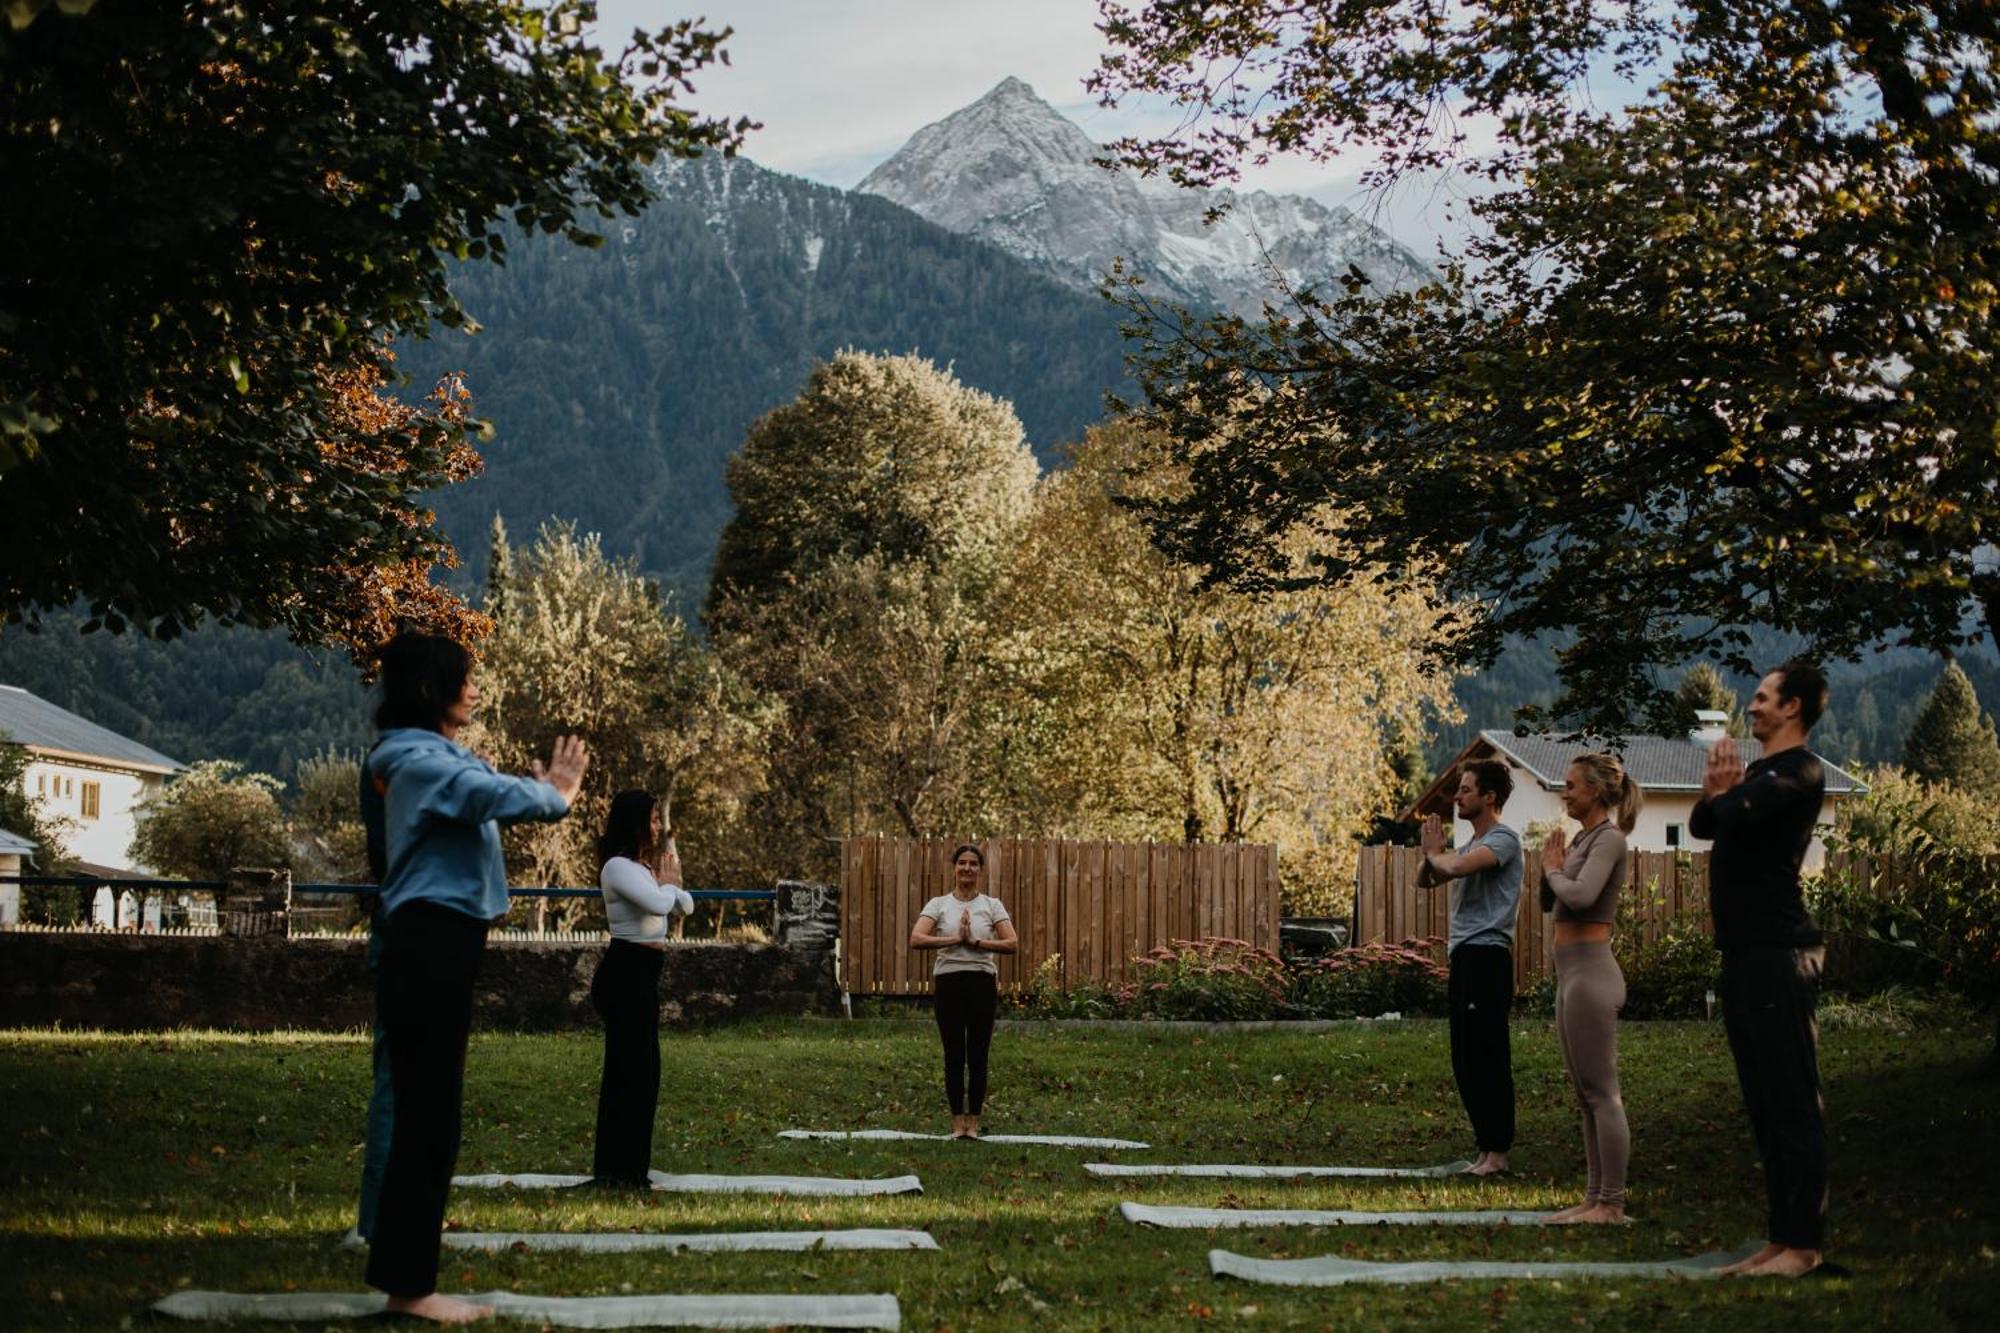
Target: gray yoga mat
[(625, 1242), (1333, 1271), (1151, 1216), (1269, 1172), (312, 1307), (710, 1184), (1033, 1140)]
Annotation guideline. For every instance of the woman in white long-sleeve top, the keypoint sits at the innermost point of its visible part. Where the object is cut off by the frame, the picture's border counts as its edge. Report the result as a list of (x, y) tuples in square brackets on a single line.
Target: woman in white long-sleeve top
[(640, 874), (1580, 882)]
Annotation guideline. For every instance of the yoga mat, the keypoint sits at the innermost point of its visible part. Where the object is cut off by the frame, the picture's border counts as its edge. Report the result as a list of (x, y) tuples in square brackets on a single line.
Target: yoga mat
[(1036, 1140), (1150, 1216), (308, 1307), (706, 1184), (625, 1242), (1333, 1271), (1270, 1172)]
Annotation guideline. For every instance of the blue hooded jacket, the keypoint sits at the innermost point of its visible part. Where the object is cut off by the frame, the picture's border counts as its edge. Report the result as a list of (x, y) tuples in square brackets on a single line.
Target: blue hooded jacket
[(442, 815)]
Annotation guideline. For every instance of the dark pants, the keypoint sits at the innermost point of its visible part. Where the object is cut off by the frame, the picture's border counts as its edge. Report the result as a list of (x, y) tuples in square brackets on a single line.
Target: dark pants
[(626, 993), (430, 957), (1481, 994), (1768, 997), (966, 1004)]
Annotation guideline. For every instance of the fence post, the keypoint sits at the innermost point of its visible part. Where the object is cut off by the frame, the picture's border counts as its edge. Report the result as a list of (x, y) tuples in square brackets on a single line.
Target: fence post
[(256, 902)]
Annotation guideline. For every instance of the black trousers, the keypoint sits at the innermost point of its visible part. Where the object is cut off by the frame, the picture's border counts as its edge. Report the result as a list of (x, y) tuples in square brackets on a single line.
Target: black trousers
[(626, 994), (430, 958), (1768, 997), (1481, 995), (966, 1005)]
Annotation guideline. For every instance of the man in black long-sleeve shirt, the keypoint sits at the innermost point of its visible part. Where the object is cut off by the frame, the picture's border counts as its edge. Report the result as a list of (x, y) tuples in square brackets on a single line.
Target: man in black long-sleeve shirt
[(1762, 820)]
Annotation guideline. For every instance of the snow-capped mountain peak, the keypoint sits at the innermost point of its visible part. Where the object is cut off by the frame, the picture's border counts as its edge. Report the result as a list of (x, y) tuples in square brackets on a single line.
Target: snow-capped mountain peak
[(1011, 170)]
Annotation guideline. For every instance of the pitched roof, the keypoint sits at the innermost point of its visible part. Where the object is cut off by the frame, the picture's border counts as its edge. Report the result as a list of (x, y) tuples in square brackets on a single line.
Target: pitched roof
[(13, 844), (1656, 763), (30, 720)]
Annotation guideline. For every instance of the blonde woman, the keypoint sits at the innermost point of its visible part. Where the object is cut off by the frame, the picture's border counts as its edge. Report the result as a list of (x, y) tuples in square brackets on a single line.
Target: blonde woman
[(967, 928), (1580, 881)]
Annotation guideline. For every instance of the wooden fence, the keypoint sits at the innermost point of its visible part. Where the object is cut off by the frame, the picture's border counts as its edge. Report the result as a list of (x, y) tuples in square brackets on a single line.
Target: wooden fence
[(1096, 904), (1660, 888)]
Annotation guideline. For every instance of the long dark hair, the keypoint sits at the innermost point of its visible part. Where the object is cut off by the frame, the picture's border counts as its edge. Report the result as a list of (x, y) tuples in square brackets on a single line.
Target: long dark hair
[(422, 676), (627, 827)]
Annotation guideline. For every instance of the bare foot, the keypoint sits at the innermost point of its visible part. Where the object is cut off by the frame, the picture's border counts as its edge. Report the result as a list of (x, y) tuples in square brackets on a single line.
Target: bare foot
[(1600, 1214), (438, 1308), (1570, 1213), (972, 1126), (1744, 1267), (1788, 1262), (1489, 1164)]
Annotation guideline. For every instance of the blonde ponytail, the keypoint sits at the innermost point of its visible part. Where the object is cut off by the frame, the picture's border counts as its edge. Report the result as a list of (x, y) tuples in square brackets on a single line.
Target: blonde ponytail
[(1615, 789)]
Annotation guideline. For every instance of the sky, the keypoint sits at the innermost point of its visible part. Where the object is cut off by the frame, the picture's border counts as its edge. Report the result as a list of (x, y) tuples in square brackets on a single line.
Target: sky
[(840, 85)]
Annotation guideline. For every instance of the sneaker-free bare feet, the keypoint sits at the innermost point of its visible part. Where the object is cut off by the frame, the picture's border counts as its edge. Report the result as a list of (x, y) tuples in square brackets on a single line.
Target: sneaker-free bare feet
[(1601, 1214), (1744, 1267), (972, 1126), (1787, 1262), (1570, 1213), (1489, 1164), (439, 1308)]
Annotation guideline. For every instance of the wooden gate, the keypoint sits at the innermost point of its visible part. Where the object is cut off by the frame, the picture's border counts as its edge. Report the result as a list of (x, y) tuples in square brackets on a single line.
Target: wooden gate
[(1094, 904)]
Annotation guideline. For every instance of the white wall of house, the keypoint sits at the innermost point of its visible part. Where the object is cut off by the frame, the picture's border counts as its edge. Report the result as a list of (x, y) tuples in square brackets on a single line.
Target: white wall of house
[(97, 824), (1665, 813), (10, 894)]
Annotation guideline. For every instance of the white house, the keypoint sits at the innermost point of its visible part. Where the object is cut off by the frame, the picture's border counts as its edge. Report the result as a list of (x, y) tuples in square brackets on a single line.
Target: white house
[(15, 852), (88, 777), (1667, 768)]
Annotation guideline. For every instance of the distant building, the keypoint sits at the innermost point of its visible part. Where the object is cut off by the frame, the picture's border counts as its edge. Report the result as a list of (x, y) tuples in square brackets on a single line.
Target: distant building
[(1668, 768), (87, 776), (15, 853)]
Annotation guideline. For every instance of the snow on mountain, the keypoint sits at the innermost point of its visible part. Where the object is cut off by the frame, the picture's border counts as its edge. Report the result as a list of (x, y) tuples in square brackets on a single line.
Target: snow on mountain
[(1010, 170)]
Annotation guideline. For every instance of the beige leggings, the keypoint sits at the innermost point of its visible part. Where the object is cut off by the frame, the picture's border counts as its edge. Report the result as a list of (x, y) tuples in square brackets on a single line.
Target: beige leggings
[(1589, 992)]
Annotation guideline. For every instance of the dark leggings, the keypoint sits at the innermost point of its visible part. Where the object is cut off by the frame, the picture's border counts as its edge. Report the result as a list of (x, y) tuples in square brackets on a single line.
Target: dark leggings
[(966, 1004), (626, 994), (1768, 996), (1481, 995), (430, 958)]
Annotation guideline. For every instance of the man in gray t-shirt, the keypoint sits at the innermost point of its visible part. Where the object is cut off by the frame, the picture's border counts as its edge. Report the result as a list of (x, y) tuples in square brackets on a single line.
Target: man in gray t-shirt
[(1485, 879)]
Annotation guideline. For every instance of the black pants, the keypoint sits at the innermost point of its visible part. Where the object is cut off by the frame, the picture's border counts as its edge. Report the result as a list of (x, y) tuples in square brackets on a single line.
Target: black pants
[(430, 957), (1481, 994), (626, 994), (1768, 996), (966, 1004)]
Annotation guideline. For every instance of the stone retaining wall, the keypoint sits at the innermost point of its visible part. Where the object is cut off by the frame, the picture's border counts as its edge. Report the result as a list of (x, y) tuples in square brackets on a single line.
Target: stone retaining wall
[(129, 983)]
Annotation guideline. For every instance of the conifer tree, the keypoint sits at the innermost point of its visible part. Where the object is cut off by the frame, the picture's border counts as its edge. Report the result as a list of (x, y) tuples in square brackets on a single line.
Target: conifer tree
[(1703, 688), (1952, 741)]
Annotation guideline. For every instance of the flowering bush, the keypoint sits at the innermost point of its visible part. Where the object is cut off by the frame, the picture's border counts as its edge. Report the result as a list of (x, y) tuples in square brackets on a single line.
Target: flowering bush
[(1214, 980), (1044, 995), (1370, 979)]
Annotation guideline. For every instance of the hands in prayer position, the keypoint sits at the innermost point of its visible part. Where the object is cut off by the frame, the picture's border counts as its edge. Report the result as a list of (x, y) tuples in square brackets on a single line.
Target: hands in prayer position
[(1432, 836), (1725, 769), (1555, 848)]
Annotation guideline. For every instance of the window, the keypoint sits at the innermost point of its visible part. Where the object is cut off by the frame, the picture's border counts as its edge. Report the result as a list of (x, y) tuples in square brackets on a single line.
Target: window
[(41, 784), (69, 786), (1676, 837), (90, 800)]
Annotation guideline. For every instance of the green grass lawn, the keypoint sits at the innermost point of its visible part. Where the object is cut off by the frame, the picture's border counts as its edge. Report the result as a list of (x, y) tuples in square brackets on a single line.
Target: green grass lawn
[(135, 1165)]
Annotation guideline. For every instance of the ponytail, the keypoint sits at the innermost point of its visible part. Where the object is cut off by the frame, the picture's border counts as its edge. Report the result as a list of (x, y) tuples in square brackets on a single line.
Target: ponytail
[(1615, 788)]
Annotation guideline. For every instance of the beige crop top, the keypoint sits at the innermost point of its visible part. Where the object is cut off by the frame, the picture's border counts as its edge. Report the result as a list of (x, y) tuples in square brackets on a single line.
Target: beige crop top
[(1586, 887)]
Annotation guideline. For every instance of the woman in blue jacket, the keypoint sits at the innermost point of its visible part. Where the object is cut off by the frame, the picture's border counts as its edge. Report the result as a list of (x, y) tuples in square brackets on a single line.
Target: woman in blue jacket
[(445, 883)]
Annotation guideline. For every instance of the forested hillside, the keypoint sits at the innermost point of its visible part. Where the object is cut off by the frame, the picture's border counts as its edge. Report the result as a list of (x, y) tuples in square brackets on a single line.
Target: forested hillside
[(620, 380)]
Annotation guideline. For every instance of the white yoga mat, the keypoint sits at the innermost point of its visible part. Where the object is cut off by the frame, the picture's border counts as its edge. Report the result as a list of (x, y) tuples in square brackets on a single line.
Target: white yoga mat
[(310, 1307), (1151, 1216), (1034, 1140), (1333, 1271), (625, 1242), (710, 1184), (1270, 1172)]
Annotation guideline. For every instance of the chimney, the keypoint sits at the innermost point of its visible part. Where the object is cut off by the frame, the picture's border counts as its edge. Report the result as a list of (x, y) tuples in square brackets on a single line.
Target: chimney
[(1710, 726)]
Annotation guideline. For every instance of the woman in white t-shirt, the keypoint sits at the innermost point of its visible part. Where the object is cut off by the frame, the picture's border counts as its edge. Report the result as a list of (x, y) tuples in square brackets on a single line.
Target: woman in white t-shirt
[(967, 928), (640, 876)]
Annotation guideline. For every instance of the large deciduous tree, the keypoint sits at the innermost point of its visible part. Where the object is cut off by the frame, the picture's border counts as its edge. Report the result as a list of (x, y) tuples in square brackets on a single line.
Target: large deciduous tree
[(1723, 357), (217, 211)]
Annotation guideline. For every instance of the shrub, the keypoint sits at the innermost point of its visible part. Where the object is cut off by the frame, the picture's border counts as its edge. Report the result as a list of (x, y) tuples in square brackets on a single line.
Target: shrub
[(1671, 977), (1370, 979), (1045, 997), (1213, 980)]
